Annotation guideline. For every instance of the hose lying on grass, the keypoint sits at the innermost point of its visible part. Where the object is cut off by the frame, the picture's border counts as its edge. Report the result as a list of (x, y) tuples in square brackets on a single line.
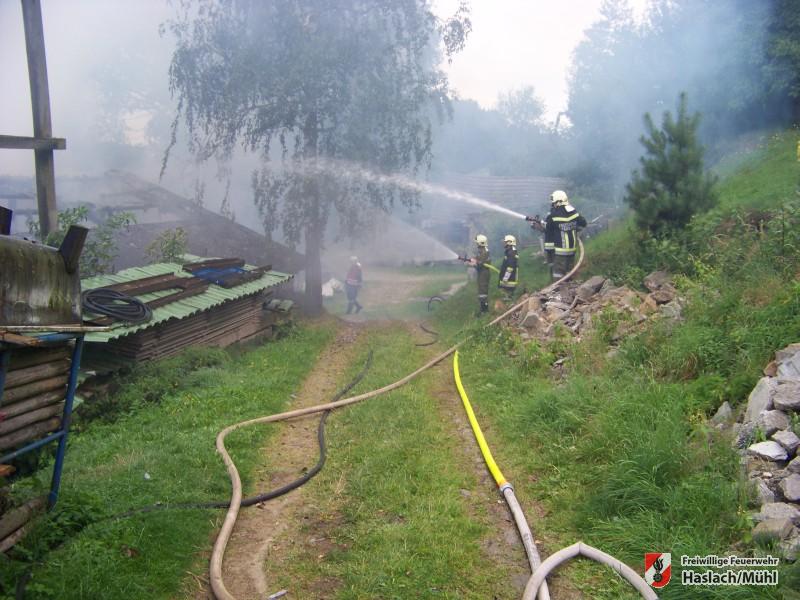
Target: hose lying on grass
[(506, 489), (277, 492), (221, 543), (435, 335)]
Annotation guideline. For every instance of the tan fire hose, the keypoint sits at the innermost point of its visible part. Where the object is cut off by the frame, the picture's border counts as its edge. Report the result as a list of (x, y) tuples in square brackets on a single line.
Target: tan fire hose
[(220, 544)]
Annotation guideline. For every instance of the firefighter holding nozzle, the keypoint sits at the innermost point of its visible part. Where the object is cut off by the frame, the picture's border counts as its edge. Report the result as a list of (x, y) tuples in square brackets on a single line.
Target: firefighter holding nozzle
[(482, 264), (561, 229)]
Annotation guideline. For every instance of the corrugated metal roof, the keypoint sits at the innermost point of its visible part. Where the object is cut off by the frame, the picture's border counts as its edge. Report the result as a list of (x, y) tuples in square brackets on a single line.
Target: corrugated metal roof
[(214, 296)]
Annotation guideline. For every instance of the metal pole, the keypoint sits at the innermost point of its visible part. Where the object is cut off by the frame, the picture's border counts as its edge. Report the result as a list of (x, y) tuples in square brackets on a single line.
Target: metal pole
[(66, 419), (40, 105)]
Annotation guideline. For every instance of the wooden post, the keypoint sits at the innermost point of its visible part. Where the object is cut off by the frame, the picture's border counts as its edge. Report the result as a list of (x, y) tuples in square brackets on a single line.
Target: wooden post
[(40, 104)]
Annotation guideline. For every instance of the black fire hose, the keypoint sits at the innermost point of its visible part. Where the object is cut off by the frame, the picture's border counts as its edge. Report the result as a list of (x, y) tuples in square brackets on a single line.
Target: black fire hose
[(116, 305), (435, 335), (280, 491)]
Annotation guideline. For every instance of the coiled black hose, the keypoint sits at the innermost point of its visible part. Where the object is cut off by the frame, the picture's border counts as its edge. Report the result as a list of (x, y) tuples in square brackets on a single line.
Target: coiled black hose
[(116, 305), (435, 335), (280, 491)]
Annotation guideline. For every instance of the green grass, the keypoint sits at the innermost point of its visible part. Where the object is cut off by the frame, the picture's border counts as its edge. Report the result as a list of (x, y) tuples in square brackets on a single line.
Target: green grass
[(392, 488), (765, 178), (172, 441), (618, 450)]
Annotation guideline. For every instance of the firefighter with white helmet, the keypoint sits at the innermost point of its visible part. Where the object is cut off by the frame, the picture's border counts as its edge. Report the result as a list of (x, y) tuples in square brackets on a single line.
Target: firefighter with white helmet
[(482, 264), (509, 270), (561, 233)]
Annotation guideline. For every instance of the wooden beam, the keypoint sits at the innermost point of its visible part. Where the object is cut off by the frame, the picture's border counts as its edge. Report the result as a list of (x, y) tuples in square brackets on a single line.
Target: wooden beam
[(40, 105), (20, 142)]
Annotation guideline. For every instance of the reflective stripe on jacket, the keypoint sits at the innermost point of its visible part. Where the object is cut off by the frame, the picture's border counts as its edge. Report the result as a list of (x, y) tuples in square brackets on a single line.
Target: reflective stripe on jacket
[(562, 228), (509, 270)]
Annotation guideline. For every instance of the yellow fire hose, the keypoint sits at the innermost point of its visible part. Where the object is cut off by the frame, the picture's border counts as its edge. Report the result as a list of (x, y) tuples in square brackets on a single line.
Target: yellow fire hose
[(220, 544), (505, 487)]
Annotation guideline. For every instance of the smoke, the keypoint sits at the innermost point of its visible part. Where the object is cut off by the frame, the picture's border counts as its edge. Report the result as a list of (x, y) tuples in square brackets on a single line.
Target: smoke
[(110, 99), (715, 51)]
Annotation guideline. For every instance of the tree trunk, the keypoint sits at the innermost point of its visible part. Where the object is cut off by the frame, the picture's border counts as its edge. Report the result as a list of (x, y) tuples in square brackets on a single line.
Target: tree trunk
[(315, 227), (313, 300)]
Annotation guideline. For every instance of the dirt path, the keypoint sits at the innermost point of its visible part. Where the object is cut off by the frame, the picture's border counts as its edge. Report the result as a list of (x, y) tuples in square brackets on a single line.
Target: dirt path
[(245, 567), (269, 533)]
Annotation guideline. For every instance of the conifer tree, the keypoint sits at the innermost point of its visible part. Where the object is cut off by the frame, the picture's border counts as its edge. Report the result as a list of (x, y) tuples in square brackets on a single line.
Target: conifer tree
[(672, 184)]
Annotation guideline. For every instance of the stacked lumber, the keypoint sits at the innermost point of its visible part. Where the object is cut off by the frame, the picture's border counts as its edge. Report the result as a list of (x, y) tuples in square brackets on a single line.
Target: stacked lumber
[(32, 401), (14, 523), (222, 325)]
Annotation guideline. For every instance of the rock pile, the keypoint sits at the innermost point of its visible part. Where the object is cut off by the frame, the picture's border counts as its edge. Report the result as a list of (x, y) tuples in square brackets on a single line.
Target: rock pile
[(772, 464), (573, 305)]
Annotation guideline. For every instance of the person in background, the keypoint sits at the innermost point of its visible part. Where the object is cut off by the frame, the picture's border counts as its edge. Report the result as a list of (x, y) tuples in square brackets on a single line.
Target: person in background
[(562, 226), (482, 264), (352, 284), (509, 270)]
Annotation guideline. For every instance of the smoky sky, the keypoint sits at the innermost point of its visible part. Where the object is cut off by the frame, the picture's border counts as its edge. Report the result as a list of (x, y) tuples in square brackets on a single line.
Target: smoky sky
[(108, 72)]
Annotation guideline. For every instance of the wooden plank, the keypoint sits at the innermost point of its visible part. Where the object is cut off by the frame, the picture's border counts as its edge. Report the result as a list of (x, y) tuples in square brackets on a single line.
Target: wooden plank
[(40, 105), (156, 283), (24, 357), (36, 430), (66, 328), (9, 542), (17, 517), (7, 411), (29, 390), (31, 374), (19, 142), (18, 340), (34, 416)]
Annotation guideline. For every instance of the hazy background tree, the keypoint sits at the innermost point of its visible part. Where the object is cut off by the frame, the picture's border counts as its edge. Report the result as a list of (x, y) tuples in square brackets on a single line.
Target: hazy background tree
[(325, 82), (784, 50), (718, 49), (672, 184)]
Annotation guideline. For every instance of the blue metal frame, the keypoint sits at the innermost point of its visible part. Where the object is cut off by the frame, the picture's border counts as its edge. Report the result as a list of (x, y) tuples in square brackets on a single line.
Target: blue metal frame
[(66, 419)]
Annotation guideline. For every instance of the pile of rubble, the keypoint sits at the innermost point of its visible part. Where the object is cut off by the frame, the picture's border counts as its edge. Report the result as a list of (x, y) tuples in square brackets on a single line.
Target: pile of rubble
[(772, 464), (573, 305)]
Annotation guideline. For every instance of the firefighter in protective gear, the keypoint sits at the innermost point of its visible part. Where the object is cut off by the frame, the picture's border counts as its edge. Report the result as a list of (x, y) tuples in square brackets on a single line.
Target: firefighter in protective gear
[(509, 270), (482, 266), (561, 230)]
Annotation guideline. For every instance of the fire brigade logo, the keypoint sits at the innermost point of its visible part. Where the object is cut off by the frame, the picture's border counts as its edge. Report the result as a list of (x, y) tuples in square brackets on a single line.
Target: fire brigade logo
[(657, 568)]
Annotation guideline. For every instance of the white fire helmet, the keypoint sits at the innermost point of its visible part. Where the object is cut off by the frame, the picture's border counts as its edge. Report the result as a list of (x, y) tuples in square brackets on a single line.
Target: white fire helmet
[(481, 240), (510, 240), (559, 198)]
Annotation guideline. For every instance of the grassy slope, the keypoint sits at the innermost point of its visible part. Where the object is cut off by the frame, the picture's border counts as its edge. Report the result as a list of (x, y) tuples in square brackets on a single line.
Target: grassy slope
[(146, 556), (618, 450)]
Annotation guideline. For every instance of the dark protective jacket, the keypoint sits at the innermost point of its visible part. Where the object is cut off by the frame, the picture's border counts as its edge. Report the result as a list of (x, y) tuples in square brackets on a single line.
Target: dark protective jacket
[(482, 266), (561, 229), (509, 270)]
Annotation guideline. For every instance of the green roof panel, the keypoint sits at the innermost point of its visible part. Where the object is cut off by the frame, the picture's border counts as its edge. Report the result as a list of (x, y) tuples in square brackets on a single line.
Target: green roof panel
[(180, 309)]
